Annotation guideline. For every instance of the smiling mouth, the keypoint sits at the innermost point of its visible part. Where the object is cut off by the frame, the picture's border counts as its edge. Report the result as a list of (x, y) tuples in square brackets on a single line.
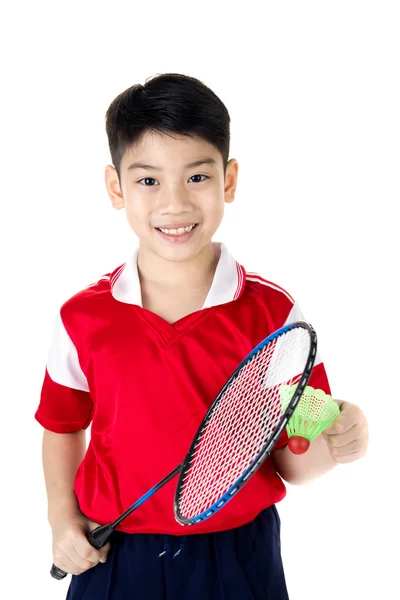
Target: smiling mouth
[(179, 231)]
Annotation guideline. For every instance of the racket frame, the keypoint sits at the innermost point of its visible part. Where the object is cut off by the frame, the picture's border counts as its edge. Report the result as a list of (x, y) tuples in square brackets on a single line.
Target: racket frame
[(266, 449)]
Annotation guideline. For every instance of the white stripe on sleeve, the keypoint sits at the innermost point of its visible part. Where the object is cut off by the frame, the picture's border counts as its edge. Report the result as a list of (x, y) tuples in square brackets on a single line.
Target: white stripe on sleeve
[(297, 315), (63, 363)]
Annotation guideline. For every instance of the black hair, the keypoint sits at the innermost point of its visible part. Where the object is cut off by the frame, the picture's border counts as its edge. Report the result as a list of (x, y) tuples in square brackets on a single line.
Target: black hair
[(169, 103)]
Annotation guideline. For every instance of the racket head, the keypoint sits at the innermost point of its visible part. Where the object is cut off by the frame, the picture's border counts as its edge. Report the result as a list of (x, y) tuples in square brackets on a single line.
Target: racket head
[(196, 473)]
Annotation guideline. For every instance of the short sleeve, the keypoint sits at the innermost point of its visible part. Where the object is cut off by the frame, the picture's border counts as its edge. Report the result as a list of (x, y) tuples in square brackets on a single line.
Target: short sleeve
[(65, 402), (318, 378)]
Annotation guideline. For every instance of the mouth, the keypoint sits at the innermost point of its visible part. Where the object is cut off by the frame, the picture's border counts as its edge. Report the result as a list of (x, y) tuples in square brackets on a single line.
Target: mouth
[(178, 230), (179, 234)]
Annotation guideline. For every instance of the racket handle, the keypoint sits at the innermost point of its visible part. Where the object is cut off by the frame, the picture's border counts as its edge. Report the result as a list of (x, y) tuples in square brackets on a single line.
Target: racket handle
[(96, 538), (57, 573)]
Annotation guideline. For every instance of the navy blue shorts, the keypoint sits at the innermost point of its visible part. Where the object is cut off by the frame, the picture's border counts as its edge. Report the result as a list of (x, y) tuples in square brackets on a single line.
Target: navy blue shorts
[(240, 564)]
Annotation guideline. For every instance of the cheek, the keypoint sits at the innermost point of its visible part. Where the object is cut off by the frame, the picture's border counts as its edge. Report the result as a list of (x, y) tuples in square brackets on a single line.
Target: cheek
[(216, 213), (137, 215)]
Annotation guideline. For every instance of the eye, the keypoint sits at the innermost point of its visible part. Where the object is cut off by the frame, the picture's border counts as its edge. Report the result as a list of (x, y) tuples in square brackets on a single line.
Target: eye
[(206, 176), (147, 179), (152, 179)]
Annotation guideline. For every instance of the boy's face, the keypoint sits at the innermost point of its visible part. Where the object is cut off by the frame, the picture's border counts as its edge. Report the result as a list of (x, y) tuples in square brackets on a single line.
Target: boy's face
[(172, 196)]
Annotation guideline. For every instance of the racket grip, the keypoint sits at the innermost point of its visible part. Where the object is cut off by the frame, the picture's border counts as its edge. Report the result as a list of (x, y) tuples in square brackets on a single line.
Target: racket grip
[(57, 573), (96, 538)]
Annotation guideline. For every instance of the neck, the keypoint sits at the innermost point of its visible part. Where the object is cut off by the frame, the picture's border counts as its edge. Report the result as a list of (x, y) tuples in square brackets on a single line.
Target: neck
[(193, 273)]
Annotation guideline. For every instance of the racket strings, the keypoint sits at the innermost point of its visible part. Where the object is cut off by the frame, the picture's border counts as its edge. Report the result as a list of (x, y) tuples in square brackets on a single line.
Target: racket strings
[(242, 422)]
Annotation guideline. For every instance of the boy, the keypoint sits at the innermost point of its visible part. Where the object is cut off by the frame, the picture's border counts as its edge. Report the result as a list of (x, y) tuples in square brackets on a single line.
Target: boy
[(141, 353)]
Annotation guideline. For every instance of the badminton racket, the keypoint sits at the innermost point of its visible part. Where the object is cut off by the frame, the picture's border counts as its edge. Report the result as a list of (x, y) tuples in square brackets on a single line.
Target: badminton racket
[(238, 431)]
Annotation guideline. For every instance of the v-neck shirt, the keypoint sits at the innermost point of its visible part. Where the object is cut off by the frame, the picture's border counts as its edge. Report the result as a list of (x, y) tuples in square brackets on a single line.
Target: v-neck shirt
[(144, 386)]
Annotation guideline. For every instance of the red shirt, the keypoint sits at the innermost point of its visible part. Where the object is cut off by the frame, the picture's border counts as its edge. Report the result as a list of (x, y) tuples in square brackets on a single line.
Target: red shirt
[(145, 385)]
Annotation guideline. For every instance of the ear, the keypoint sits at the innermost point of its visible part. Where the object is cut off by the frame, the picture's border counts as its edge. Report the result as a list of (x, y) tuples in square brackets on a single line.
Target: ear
[(231, 180), (113, 187)]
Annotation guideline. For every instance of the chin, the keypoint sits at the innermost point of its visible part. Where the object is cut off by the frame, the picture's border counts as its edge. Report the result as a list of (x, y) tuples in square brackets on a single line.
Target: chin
[(178, 254), (181, 253)]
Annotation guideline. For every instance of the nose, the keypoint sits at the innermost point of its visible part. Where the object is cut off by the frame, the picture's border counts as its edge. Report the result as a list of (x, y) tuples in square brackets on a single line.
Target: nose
[(175, 202)]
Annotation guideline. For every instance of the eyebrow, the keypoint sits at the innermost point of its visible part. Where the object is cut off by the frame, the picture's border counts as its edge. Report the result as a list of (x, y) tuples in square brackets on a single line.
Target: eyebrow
[(196, 163)]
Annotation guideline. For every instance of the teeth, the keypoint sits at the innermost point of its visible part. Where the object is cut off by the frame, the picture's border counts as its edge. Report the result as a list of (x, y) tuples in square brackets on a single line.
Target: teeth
[(179, 231)]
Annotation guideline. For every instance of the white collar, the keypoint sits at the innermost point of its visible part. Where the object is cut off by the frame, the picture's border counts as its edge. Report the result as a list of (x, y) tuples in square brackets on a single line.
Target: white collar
[(227, 285)]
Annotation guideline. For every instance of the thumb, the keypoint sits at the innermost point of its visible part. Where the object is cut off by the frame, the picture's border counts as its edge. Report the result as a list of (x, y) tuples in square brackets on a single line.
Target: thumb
[(337, 425), (104, 552)]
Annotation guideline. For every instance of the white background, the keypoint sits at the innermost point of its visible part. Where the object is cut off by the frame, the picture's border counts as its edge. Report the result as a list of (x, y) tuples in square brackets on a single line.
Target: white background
[(313, 93)]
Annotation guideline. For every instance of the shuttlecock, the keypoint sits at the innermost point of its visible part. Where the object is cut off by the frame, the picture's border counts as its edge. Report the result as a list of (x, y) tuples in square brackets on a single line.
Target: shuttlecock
[(314, 413)]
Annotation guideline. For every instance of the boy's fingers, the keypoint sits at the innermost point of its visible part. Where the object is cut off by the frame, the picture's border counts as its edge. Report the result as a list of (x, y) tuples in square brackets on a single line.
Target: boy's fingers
[(70, 567), (80, 561), (67, 566), (104, 552), (85, 550), (341, 439), (71, 564)]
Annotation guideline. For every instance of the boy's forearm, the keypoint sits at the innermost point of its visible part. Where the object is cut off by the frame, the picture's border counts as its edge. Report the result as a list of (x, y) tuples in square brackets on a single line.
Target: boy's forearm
[(303, 468), (62, 454)]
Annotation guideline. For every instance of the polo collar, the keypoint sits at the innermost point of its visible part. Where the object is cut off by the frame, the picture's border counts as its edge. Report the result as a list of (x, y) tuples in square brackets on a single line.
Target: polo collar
[(228, 283)]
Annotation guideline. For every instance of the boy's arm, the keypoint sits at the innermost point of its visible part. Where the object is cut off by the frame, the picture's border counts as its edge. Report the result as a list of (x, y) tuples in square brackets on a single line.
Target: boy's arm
[(62, 454), (297, 469)]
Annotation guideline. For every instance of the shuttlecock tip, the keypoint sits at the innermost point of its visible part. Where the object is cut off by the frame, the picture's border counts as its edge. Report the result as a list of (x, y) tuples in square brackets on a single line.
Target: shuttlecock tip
[(298, 444)]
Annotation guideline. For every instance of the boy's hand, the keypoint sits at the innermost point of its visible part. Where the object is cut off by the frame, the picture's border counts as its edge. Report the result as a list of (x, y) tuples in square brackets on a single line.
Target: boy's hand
[(347, 437), (71, 550)]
